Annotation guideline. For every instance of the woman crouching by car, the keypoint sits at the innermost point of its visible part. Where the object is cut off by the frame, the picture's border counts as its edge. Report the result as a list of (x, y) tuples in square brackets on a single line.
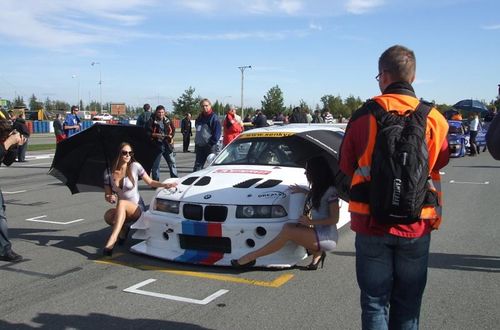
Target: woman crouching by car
[(316, 230), (121, 187)]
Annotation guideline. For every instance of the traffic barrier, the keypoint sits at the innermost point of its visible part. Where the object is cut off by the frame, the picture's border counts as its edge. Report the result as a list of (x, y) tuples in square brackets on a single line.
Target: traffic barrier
[(29, 124)]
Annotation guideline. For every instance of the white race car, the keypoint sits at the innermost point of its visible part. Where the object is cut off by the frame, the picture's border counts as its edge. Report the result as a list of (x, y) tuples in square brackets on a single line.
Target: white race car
[(240, 201)]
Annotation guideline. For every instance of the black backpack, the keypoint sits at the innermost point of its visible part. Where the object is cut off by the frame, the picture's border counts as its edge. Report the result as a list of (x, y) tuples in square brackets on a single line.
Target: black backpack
[(399, 186)]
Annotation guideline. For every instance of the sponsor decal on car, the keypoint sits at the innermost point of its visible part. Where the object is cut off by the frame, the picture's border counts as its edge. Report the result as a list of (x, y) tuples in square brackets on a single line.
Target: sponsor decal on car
[(243, 171), (272, 194), (266, 134)]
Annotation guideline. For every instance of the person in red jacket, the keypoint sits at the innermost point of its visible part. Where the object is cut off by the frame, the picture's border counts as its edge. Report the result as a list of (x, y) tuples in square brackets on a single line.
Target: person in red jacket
[(391, 259), (232, 127)]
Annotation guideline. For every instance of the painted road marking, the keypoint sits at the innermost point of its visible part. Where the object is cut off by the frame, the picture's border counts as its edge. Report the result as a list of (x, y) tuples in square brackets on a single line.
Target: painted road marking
[(36, 164), (276, 283), (135, 289), (37, 219), (45, 156), (465, 182), (13, 192), (440, 172)]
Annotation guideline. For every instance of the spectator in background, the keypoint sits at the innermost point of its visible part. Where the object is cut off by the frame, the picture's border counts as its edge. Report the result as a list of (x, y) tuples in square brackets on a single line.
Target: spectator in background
[(162, 130), (72, 123), (327, 116), (473, 128), (20, 125), (144, 117), (279, 117), (297, 116), (9, 139), (232, 128), (308, 115), (58, 128), (247, 118), (260, 120), (208, 132), (317, 117), (186, 131)]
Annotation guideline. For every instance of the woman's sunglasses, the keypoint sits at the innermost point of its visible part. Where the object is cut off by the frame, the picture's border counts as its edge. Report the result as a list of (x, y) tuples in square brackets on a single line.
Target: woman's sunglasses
[(129, 153)]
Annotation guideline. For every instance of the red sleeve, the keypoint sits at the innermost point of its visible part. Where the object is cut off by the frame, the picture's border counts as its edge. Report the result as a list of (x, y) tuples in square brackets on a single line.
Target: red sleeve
[(443, 156), (354, 144)]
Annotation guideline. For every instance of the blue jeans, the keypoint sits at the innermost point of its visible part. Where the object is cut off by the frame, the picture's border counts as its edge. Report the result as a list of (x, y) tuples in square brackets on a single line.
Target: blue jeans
[(169, 157), (392, 274)]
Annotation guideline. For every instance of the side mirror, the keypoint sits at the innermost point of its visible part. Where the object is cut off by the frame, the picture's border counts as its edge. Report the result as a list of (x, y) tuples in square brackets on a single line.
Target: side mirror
[(210, 159)]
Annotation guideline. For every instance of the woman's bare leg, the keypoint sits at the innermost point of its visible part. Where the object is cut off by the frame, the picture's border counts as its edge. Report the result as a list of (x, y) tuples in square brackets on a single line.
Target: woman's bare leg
[(125, 210), (301, 235)]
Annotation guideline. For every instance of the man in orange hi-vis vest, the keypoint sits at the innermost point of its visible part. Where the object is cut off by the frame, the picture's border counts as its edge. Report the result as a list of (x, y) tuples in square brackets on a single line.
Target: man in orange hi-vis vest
[(391, 258)]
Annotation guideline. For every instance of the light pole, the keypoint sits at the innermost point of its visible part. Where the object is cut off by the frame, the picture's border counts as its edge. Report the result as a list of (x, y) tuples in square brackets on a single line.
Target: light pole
[(242, 69), (100, 84), (78, 82)]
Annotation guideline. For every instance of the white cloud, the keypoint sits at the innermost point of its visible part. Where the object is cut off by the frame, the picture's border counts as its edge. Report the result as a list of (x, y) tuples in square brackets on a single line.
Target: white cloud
[(290, 6), (362, 6), (314, 26), (491, 27)]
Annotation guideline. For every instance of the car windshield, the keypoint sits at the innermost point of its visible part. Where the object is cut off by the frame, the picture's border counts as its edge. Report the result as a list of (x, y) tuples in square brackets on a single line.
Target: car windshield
[(455, 130), (262, 151)]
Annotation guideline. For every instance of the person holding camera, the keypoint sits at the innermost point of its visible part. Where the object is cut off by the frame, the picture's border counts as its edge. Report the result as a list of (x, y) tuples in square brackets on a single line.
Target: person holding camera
[(9, 141), (161, 131)]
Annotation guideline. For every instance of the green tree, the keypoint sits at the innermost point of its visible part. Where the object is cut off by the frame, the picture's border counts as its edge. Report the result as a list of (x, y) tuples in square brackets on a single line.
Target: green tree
[(34, 104), (18, 102), (351, 104), (334, 105), (273, 102), (187, 103)]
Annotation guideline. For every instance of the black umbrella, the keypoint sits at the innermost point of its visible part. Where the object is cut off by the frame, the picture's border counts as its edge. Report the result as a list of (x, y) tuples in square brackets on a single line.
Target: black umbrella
[(81, 160), (327, 143), (471, 106)]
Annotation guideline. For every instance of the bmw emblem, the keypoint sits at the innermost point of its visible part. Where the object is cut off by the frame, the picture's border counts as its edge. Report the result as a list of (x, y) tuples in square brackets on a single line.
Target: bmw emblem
[(207, 196)]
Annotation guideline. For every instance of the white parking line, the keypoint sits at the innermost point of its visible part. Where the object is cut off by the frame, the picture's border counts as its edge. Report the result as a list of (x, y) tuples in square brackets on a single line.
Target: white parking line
[(13, 192), (37, 164), (465, 182), (135, 289), (37, 219), (45, 156)]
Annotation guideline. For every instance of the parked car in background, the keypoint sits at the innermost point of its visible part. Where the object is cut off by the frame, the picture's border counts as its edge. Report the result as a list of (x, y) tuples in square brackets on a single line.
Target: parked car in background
[(103, 116), (459, 137), (240, 201)]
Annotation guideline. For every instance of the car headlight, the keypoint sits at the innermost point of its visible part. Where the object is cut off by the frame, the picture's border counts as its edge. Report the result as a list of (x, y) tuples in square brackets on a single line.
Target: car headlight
[(260, 211), (165, 205)]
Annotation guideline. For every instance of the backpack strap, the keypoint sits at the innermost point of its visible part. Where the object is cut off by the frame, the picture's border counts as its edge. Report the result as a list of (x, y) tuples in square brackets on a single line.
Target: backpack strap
[(423, 108)]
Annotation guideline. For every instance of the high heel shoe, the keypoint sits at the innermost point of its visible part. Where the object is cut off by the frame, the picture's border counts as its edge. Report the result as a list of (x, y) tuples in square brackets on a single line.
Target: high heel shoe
[(236, 264), (107, 252), (121, 239), (314, 265)]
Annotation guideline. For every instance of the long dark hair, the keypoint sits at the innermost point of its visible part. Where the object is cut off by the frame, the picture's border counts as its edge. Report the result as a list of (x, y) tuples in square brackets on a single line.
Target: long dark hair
[(129, 164), (320, 178)]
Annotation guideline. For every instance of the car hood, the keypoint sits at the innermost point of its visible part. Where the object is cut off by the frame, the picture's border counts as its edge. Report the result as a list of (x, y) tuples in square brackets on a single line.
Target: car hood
[(234, 184)]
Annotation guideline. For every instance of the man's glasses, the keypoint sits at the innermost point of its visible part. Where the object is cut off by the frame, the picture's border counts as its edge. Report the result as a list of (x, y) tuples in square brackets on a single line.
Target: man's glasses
[(377, 77), (127, 153)]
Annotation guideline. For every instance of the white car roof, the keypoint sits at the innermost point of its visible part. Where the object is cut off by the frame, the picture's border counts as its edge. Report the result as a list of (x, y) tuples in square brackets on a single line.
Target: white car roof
[(296, 128)]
